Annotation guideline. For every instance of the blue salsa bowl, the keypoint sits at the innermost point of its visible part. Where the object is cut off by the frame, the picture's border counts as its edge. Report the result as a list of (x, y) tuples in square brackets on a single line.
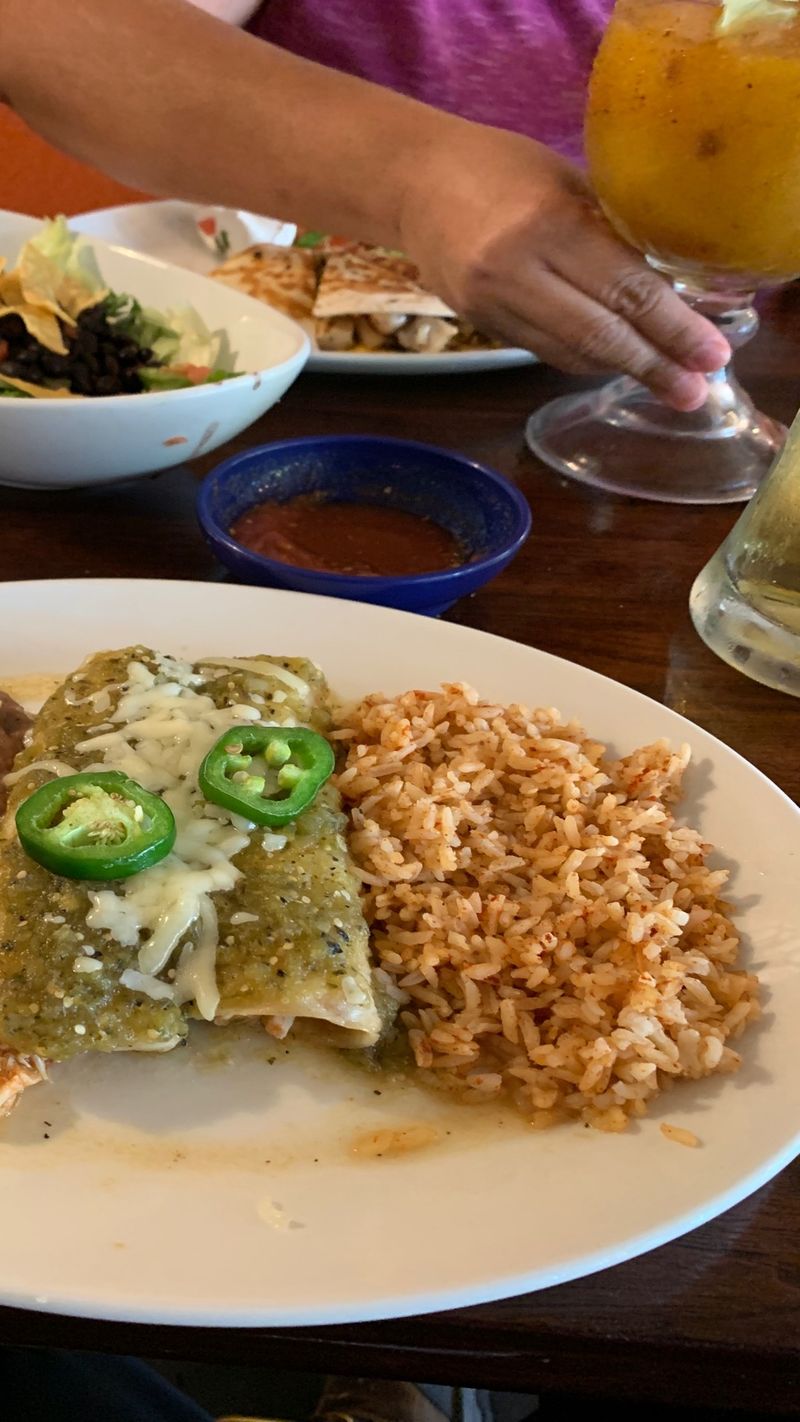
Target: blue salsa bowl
[(485, 513)]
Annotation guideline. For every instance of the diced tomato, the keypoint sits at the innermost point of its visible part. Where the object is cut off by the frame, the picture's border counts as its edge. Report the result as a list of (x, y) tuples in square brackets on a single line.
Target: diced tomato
[(208, 225), (198, 374)]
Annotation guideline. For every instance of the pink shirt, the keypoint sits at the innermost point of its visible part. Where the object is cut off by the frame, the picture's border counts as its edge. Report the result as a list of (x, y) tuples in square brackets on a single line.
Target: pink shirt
[(517, 64)]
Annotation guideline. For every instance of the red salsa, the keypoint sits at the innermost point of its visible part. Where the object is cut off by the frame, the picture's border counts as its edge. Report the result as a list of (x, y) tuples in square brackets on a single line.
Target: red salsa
[(366, 540)]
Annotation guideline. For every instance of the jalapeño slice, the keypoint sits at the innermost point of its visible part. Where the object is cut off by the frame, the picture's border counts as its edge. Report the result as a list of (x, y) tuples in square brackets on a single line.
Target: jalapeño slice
[(99, 825), (297, 763)]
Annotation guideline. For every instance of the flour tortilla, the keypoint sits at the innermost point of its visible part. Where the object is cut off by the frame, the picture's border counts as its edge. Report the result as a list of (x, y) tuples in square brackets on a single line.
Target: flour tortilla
[(283, 277), (371, 281)]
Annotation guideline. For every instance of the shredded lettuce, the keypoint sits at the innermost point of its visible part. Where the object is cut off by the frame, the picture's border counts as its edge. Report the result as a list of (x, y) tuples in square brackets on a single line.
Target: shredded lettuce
[(70, 252), (139, 323), (160, 377), (190, 342), (176, 337)]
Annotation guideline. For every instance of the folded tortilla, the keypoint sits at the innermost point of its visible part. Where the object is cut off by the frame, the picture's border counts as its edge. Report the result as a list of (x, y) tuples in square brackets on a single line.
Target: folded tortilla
[(236, 922), (370, 281), (283, 277)]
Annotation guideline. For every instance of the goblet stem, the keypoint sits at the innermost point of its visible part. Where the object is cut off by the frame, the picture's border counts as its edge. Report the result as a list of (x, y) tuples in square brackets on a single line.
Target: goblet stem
[(620, 438)]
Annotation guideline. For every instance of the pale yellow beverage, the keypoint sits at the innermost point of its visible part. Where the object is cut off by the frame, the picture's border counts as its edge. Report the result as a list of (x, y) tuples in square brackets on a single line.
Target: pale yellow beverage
[(693, 136), (746, 602)]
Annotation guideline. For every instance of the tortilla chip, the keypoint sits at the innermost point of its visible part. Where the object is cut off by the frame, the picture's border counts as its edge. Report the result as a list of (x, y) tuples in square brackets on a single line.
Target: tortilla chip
[(44, 284), (283, 277), (40, 324), (37, 392), (38, 280), (367, 281), (10, 290)]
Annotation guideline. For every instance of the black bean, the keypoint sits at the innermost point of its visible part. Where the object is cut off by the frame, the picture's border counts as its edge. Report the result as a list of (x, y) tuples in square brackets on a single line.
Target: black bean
[(52, 363), (100, 359), (12, 328), (106, 385), (94, 319)]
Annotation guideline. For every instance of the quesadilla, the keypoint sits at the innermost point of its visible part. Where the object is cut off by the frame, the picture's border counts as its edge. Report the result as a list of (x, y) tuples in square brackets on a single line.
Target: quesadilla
[(364, 282), (374, 297), (283, 277), (234, 922), (350, 296)]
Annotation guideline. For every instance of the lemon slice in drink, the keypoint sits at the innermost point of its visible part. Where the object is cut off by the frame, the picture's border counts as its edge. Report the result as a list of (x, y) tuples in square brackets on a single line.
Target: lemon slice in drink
[(735, 14)]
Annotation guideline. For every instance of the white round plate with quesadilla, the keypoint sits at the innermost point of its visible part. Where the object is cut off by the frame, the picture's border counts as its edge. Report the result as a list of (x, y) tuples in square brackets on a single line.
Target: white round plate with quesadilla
[(343, 296), (222, 1187)]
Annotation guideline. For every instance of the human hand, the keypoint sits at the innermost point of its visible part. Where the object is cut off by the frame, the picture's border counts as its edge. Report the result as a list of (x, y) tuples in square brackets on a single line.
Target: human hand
[(511, 236)]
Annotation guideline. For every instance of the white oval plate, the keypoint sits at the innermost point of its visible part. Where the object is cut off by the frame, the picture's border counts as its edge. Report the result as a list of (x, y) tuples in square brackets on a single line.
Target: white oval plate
[(183, 1191), (169, 230)]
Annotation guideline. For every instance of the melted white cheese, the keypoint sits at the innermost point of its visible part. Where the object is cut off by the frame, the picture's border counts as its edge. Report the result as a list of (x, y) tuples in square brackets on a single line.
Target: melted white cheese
[(54, 767), (162, 729), (145, 983), (263, 669)]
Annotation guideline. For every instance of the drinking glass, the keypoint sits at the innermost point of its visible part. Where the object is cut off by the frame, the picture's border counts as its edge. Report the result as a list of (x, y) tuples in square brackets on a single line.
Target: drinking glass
[(746, 602), (693, 141)]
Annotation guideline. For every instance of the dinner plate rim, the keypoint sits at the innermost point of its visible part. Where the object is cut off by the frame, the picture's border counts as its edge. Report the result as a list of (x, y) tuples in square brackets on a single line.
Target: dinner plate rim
[(385, 1309), (380, 612), (86, 1303)]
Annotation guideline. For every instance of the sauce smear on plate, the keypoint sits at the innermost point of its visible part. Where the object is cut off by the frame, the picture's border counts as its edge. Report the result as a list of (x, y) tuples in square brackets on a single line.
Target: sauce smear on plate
[(366, 540)]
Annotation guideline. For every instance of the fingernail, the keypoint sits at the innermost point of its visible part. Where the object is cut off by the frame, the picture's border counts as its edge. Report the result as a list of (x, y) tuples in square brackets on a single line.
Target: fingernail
[(710, 355), (687, 392)]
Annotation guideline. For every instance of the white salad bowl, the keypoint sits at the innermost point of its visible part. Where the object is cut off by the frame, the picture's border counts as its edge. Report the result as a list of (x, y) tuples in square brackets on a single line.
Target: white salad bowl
[(54, 444)]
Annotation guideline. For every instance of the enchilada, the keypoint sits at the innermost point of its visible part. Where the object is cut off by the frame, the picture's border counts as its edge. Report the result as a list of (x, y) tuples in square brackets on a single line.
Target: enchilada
[(235, 921)]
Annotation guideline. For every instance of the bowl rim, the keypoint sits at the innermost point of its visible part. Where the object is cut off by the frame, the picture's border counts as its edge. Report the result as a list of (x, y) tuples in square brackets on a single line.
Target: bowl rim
[(220, 536)]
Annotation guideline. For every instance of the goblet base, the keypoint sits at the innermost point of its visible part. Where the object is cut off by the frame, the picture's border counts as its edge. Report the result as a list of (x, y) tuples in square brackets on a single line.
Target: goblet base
[(622, 440)]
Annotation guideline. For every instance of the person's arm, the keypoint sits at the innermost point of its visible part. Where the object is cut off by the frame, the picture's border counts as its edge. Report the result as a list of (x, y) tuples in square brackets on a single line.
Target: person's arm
[(167, 99)]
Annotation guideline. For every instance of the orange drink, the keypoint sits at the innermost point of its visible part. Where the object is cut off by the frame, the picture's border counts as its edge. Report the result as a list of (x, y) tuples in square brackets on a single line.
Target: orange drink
[(693, 140), (693, 137)]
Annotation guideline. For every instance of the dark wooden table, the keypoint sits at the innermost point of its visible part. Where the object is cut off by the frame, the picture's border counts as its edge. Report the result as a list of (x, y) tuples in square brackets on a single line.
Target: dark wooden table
[(714, 1318)]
